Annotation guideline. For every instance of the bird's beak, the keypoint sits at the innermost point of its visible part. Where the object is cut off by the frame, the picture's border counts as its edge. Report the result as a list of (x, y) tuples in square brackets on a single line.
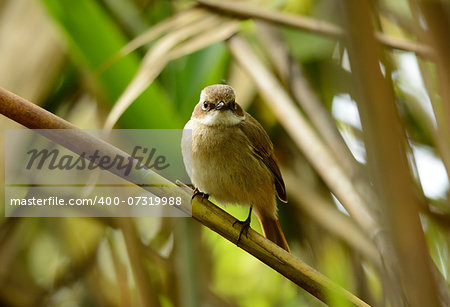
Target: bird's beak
[(220, 105)]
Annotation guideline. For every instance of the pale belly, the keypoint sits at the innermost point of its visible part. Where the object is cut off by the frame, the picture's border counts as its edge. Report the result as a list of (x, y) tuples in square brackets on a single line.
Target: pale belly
[(224, 167)]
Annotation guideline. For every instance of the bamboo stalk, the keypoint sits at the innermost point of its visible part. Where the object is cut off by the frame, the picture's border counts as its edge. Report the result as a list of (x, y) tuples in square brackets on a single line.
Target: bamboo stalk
[(329, 218), (213, 217), (243, 10), (146, 289), (436, 35), (293, 76), (385, 142)]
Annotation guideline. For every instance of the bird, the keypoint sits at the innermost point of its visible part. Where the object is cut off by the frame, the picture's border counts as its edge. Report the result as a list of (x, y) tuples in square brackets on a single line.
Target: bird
[(229, 156)]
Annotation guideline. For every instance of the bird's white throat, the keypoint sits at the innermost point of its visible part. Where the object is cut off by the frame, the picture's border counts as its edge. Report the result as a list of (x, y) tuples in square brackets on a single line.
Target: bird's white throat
[(225, 118)]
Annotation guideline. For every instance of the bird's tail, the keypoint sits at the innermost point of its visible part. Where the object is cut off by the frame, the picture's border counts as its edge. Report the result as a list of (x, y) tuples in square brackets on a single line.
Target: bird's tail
[(272, 231)]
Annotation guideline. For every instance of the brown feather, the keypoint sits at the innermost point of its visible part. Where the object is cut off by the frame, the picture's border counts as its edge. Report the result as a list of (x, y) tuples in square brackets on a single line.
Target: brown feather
[(272, 231), (262, 148)]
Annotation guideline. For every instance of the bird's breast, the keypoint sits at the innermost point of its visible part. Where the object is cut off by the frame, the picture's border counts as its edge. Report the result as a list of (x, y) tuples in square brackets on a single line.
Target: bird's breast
[(224, 167)]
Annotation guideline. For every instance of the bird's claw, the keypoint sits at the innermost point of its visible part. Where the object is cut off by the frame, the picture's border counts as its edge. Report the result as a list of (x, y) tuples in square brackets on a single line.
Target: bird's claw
[(245, 225), (198, 193)]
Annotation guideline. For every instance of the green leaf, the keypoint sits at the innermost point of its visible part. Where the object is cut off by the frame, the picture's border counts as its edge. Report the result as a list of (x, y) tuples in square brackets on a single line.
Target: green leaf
[(93, 38)]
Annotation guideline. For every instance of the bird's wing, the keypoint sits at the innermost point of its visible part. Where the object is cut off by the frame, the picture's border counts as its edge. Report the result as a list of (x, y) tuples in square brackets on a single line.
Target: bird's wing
[(262, 148)]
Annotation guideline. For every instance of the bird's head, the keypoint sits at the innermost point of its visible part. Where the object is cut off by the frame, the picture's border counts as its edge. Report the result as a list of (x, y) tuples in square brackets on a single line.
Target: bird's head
[(217, 106)]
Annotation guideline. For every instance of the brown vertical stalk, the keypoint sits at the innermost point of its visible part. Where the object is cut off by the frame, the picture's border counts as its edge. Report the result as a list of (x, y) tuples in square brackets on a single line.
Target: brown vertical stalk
[(144, 284), (436, 15), (293, 76), (385, 142)]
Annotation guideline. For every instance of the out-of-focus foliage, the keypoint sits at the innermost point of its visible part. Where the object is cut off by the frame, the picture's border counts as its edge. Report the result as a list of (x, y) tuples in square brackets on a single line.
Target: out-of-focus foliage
[(65, 56), (96, 37)]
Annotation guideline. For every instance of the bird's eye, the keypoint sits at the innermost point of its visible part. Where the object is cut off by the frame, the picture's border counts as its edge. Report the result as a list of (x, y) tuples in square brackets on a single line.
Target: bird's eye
[(205, 105)]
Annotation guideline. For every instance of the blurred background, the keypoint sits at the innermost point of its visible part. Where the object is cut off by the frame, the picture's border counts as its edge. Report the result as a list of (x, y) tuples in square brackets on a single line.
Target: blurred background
[(360, 123)]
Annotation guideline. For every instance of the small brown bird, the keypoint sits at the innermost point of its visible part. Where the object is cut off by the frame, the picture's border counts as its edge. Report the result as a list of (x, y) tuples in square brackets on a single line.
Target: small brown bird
[(230, 157)]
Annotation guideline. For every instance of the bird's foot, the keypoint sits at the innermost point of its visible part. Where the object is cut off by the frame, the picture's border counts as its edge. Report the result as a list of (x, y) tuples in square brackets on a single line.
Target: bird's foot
[(198, 193), (245, 225)]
